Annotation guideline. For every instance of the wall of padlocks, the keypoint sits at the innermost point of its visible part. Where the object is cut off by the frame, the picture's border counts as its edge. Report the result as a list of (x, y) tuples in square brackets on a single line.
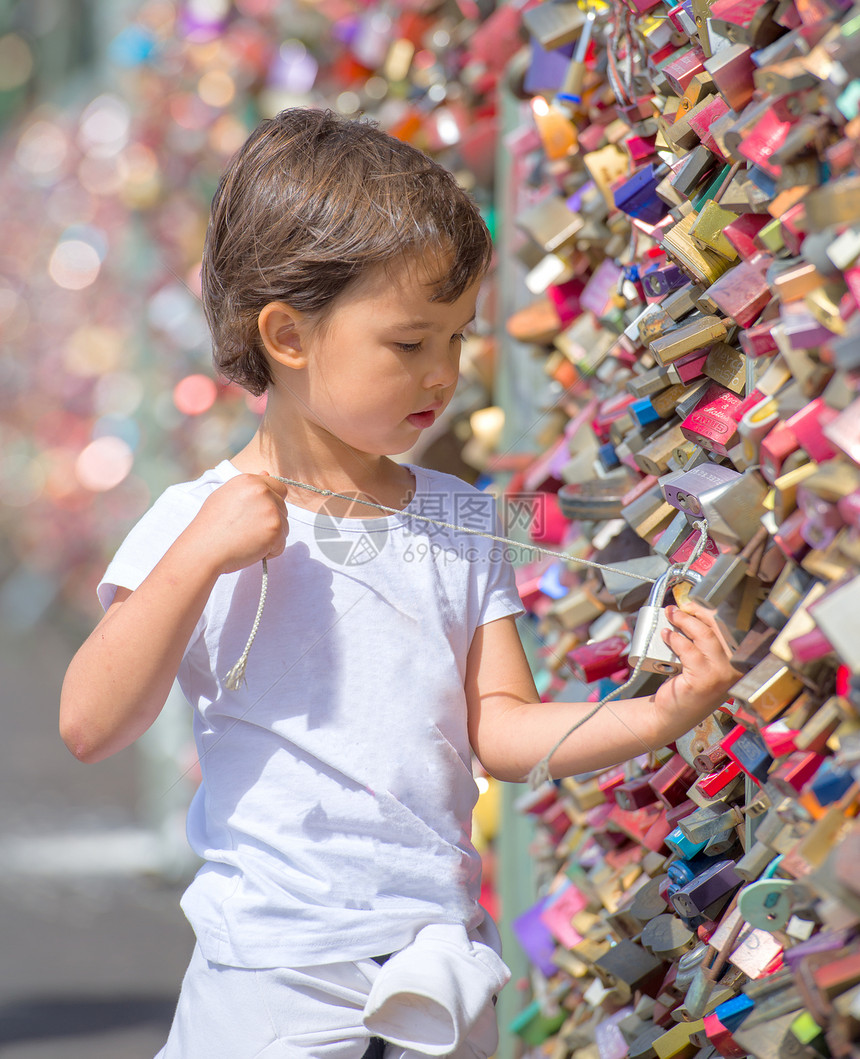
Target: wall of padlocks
[(690, 248)]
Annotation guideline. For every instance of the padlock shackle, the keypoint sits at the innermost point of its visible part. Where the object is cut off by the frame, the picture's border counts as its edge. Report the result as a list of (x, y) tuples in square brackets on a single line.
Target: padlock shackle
[(674, 575), (647, 649)]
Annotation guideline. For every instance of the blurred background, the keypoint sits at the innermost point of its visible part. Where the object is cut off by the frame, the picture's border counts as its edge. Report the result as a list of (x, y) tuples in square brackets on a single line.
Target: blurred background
[(116, 119)]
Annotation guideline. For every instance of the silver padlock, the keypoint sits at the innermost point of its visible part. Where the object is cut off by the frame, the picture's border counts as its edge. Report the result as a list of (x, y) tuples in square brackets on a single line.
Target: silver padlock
[(657, 656)]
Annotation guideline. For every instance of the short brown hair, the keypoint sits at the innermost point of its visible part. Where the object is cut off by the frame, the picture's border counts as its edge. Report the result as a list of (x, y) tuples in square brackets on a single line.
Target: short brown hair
[(309, 204)]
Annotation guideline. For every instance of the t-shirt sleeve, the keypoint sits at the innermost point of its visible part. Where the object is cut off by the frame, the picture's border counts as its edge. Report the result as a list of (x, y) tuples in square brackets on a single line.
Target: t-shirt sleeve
[(147, 543), (500, 597)]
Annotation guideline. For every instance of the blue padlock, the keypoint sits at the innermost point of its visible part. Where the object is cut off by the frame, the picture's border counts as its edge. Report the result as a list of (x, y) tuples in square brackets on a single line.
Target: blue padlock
[(644, 412), (678, 842)]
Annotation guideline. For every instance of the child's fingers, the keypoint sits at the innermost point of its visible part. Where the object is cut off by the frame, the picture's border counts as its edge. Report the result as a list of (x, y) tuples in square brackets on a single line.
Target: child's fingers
[(692, 626), (706, 670), (279, 489), (275, 484), (709, 617), (278, 548), (701, 626), (682, 645), (701, 649), (695, 610)]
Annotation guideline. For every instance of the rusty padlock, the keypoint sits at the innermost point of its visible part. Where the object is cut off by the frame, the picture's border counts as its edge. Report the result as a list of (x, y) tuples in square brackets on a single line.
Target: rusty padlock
[(656, 655)]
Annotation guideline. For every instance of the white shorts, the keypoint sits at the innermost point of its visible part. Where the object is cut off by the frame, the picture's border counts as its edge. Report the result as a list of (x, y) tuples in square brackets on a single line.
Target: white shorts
[(240, 1013), (435, 997)]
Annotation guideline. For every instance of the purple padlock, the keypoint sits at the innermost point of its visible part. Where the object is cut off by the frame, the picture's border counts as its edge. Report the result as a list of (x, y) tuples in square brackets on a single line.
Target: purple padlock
[(662, 279), (637, 196)]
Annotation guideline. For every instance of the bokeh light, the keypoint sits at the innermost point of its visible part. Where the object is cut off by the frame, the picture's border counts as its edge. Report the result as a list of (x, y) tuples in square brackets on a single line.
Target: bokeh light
[(104, 126), (74, 264), (42, 148), (107, 392), (195, 394), (216, 88), (93, 350), (104, 463), (16, 62)]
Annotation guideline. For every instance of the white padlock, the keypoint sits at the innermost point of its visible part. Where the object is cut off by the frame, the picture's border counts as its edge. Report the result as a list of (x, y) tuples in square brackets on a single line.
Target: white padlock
[(657, 656)]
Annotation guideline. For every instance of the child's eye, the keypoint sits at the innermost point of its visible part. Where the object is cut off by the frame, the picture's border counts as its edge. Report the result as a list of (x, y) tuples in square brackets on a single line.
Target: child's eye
[(413, 347)]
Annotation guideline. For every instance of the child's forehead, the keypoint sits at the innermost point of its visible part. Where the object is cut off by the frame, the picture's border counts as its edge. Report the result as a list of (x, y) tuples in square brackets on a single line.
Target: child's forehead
[(409, 284)]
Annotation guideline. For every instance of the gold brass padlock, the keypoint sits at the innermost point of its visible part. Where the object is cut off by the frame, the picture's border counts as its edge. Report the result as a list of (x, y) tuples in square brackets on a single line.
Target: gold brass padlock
[(657, 656), (707, 230)]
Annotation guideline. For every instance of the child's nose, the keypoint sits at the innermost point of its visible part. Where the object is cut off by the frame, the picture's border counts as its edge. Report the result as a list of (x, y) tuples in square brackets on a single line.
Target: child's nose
[(444, 370)]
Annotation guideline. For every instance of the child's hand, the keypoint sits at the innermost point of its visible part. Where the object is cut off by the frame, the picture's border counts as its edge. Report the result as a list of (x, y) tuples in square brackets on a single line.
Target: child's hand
[(242, 522), (707, 674)]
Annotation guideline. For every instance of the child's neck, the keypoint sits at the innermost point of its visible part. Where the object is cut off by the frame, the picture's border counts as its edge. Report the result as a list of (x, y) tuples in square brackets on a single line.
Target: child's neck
[(324, 461)]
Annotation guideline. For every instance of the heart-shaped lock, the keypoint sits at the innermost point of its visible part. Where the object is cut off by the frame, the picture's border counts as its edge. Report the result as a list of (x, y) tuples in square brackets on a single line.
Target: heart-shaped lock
[(766, 904)]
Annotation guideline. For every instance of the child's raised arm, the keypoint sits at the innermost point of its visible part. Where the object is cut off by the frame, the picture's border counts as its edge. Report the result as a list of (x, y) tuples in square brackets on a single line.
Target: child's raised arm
[(119, 680), (511, 731)]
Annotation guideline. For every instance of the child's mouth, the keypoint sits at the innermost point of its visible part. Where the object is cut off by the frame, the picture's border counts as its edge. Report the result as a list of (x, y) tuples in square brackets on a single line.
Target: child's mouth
[(422, 420)]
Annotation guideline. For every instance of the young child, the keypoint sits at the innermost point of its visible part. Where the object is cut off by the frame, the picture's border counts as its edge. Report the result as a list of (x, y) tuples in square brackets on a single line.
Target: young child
[(340, 270)]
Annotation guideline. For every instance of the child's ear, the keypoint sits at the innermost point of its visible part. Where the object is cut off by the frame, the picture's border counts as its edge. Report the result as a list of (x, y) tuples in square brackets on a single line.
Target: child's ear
[(280, 330)]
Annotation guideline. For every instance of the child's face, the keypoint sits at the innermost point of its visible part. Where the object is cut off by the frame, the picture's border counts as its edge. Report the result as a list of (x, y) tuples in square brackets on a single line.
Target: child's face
[(385, 363)]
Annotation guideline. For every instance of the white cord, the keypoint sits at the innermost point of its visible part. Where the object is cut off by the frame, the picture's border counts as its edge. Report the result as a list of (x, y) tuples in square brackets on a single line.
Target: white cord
[(236, 677), (467, 529), (237, 674), (540, 773)]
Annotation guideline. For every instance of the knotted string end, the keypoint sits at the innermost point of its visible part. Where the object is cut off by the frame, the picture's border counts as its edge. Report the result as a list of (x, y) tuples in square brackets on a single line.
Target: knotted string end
[(540, 775), (236, 677)]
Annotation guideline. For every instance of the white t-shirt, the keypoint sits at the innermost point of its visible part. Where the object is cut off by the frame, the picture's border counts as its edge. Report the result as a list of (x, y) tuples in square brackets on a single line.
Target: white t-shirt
[(335, 809)]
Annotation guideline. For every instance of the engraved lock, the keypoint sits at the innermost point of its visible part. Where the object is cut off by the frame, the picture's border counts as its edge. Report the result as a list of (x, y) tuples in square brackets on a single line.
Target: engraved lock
[(686, 489), (704, 266), (656, 655), (741, 294)]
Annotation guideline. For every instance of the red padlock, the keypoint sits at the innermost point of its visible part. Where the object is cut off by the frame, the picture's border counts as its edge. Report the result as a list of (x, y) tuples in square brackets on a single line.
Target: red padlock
[(602, 658)]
